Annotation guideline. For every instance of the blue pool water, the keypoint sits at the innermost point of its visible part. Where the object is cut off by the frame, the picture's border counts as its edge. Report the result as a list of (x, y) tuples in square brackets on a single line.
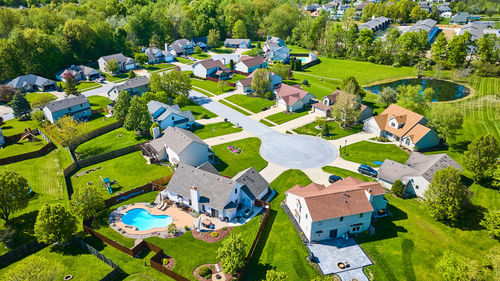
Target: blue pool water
[(143, 220), (303, 59)]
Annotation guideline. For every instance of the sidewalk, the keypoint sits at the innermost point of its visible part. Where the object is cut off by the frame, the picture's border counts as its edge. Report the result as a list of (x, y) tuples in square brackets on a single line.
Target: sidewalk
[(227, 138), (295, 123), (272, 171)]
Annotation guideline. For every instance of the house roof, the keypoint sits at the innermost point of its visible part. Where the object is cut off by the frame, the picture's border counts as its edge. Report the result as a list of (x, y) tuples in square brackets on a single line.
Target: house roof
[(321, 106), (120, 58), (176, 139), (427, 25), (75, 70), (30, 79), (475, 29), (179, 45), (211, 63), (375, 23), (290, 94), (254, 181), (236, 41), (460, 17), (246, 82), (333, 96), (252, 61), (67, 103), (159, 111), (207, 167), (132, 83), (152, 51)]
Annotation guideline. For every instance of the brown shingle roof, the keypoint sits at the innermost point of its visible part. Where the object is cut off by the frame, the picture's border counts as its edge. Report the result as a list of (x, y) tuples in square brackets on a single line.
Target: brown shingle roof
[(290, 94), (321, 106), (211, 63), (409, 119), (252, 61), (333, 96)]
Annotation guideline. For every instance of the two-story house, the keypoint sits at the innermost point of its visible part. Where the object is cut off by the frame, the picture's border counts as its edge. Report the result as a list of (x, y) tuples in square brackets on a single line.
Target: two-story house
[(77, 107), (292, 98), (276, 50), (211, 68), (156, 55), (124, 63), (324, 108), (245, 85), (249, 64), (344, 207), (170, 115), (181, 47), (79, 73), (135, 86)]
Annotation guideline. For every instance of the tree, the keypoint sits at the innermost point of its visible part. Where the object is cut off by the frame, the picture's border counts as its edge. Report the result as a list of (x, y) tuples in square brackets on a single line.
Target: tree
[(486, 49), (398, 189), (239, 30), (387, 95), (273, 275), (70, 87), (447, 197), (181, 100), (439, 48), (280, 69), (20, 106), (350, 85), (173, 83), (54, 224), (481, 156), (112, 66), (86, 202), (410, 98), (6, 93), (231, 64), (197, 50), (67, 130), (138, 118), (122, 104), (213, 38), (147, 97), (131, 74), (141, 58), (346, 109), (261, 82), (7, 236), (14, 191), (325, 130), (232, 253), (491, 222), (453, 267), (496, 177), (40, 101), (457, 49), (222, 85), (34, 267), (446, 120), (39, 117)]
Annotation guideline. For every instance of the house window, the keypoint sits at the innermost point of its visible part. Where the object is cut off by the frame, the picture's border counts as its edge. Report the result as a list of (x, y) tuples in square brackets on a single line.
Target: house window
[(235, 191), (306, 216), (393, 124), (173, 117), (416, 186), (361, 215), (341, 218), (407, 141)]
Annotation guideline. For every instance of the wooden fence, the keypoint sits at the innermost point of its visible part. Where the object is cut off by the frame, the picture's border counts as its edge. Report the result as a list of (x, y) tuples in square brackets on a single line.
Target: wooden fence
[(97, 132), (29, 155), (156, 263), (116, 269), (108, 155), (20, 252), (129, 194), (311, 63)]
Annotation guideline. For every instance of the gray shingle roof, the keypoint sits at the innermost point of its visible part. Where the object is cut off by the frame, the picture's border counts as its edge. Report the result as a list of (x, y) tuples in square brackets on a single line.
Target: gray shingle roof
[(426, 25), (120, 58), (253, 180), (154, 106), (235, 41), (67, 103), (207, 167), (176, 139), (132, 83), (21, 81), (476, 30)]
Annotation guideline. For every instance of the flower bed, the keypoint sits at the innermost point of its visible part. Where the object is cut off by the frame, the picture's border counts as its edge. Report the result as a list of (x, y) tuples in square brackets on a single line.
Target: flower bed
[(210, 237), (234, 149), (168, 262), (212, 267)]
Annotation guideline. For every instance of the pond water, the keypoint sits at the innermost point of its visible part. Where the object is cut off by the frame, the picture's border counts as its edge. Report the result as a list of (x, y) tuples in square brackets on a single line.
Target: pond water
[(445, 90)]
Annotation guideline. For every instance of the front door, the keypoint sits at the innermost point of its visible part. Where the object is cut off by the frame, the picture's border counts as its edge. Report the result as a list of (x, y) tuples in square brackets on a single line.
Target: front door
[(333, 233), (215, 213)]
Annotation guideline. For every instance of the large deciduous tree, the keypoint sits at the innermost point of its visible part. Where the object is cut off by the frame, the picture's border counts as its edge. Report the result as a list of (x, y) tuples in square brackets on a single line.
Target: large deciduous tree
[(239, 30), (273, 275), (261, 82), (280, 69), (410, 98), (14, 191), (20, 106), (457, 49), (387, 96), (481, 156), (54, 224), (6, 93), (86, 202), (446, 119), (112, 66), (346, 109), (138, 118), (491, 222), (122, 104), (141, 58), (453, 267), (232, 253), (439, 49), (173, 83), (350, 85), (67, 130), (213, 38)]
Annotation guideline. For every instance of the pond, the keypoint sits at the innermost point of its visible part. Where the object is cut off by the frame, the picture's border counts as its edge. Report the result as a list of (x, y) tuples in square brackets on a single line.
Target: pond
[(445, 90)]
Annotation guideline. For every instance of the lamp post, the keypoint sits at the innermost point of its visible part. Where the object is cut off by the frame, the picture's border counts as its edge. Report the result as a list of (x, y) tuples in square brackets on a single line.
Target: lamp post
[(345, 147)]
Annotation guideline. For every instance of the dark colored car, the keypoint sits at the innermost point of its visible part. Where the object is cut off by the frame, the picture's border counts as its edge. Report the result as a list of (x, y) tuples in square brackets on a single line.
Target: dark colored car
[(367, 170), (333, 178), (247, 213)]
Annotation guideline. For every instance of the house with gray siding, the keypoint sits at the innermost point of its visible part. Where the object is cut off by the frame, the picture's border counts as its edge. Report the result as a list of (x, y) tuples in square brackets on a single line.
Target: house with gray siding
[(170, 115), (181, 47), (135, 86), (124, 63), (245, 85), (77, 107), (237, 43), (32, 83), (212, 68), (344, 207), (79, 73)]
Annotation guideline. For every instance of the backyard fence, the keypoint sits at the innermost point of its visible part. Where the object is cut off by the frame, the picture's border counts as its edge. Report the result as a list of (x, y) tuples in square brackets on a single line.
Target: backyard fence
[(108, 155), (311, 63), (20, 252), (116, 269), (128, 194), (156, 263), (29, 155), (298, 55), (240, 72), (97, 132)]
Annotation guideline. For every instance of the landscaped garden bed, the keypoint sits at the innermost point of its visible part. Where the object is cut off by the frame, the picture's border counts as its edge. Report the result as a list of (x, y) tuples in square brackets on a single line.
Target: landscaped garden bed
[(206, 272), (212, 236), (229, 163)]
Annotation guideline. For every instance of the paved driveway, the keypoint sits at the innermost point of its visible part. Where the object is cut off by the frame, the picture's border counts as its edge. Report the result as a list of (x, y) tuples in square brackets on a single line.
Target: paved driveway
[(290, 151)]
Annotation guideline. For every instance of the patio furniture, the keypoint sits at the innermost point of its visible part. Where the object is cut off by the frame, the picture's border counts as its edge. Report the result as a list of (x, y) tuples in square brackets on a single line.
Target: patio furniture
[(206, 223)]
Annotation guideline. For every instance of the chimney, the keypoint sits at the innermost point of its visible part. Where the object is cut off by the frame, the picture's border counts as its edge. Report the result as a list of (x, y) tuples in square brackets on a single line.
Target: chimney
[(166, 47), (195, 198), (268, 37)]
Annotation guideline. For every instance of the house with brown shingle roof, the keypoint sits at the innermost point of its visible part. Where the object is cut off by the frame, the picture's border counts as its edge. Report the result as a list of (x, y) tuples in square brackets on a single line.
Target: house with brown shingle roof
[(245, 85), (324, 108), (344, 207), (249, 64), (292, 98), (211, 68), (404, 126)]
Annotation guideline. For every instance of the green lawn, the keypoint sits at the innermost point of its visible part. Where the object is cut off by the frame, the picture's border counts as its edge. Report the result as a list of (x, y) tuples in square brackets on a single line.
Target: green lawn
[(130, 171), (371, 100), (15, 126), (25, 146), (210, 86), (319, 87), (222, 50), (215, 130), (335, 131), (236, 77), (285, 116), (280, 247), (231, 163), (294, 49), (110, 141), (345, 173), (199, 112), (158, 67), (72, 260), (97, 102), (234, 107), (183, 60), (116, 77), (263, 121), (98, 120), (86, 85), (365, 152), (202, 56), (31, 96), (254, 104)]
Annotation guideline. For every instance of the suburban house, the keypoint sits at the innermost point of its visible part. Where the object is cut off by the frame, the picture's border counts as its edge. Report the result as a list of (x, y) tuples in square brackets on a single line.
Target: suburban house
[(245, 85), (156, 55), (237, 43), (170, 115), (206, 191), (249, 64), (124, 63), (428, 25), (344, 207), (135, 86), (376, 24), (417, 173), (292, 98), (77, 107), (426, 6), (79, 73), (32, 83), (276, 50), (406, 127), (176, 146), (479, 28), (181, 47), (444, 10), (212, 68), (200, 42), (459, 18), (324, 108)]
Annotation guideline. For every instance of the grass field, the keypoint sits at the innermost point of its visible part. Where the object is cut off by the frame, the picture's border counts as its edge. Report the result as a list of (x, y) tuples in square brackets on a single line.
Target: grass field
[(222, 50), (14, 126), (231, 163), (25, 146), (183, 60), (317, 86), (294, 49), (345, 173), (236, 77), (280, 247), (70, 260), (116, 77), (335, 131), (201, 56), (234, 107), (366, 152), (199, 111), (215, 130), (285, 116), (263, 121), (254, 104), (210, 86), (87, 85), (97, 102), (110, 141), (31, 96), (371, 100), (98, 120), (130, 171), (159, 66)]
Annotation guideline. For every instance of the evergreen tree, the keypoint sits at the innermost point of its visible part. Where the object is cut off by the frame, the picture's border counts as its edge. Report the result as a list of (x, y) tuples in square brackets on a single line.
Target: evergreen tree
[(325, 130), (131, 74), (70, 87), (122, 104), (20, 106), (138, 118), (231, 64)]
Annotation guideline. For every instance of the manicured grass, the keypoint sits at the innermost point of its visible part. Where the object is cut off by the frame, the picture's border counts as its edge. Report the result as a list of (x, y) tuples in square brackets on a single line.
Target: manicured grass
[(130, 171), (254, 104), (85, 86), (335, 131), (319, 87), (15, 126), (98, 120), (236, 77), (198, 111), (25, 146), (97, 102), (215, 130), (280, 247), (210, 86), (235, 107), (263, 121), (365, 152), (222, 50), (185, 61), (345, 173), (231, 163), (285, 116), (294, 49), (31, 96), (110, 141), (72, 260), (371, 100), (445, 21), (201, 56), (158, 67), (116, 77)]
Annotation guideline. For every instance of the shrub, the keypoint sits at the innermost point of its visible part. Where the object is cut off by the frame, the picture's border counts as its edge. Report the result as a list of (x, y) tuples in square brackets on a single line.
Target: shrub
[(152, 202), (204, 271), (398, 188), (165, 262), (224, 228), (172, 228), (186, 228), (214, 234), (203, 116)]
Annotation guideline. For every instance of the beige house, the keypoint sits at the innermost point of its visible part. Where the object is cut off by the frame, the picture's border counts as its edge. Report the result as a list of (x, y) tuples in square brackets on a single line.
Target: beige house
[(292, 98)]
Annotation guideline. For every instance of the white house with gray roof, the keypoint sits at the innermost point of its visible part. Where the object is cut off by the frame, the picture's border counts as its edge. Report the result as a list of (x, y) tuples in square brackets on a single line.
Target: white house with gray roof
[(206, 191), (31, 82), (135, 86), (181, 47), (77, 107), (237, 43), (417, 173), (170, 115), (176, 146), (124, 63)]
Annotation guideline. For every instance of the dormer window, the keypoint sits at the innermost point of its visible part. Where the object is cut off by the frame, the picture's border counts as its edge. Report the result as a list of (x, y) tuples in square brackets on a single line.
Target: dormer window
[(393, 124), (235, 191)]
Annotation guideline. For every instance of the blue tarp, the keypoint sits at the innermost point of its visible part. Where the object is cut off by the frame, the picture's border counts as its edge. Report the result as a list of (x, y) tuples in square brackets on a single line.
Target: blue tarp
[(377, 162)]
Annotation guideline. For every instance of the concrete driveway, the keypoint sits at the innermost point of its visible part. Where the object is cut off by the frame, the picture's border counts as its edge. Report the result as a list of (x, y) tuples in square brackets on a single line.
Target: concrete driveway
[(290, 151)]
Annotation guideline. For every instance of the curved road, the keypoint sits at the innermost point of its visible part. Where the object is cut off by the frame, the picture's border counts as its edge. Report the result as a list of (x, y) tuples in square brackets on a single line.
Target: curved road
[(291, 151)]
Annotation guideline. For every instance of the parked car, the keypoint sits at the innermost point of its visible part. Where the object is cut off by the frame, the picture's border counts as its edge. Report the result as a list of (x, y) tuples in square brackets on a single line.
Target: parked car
[(333, 178), (367, 170), (247, 213)]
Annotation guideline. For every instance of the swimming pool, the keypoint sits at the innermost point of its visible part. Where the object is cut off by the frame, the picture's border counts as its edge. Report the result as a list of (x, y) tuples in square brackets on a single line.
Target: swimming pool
[(303, 59), (143, 220)]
